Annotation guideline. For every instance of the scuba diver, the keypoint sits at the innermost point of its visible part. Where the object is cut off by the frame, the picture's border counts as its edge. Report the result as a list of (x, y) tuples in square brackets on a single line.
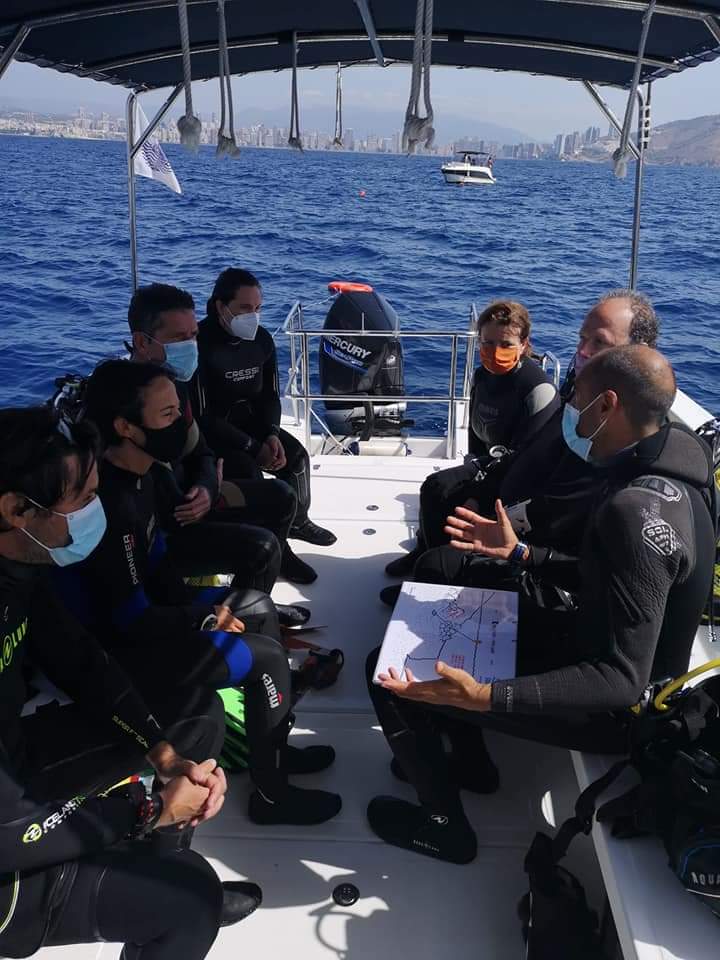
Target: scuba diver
[(511, 400), (238, 399), (642, 578), (66, 876), (203, 513), (167, 635), (550, 489)]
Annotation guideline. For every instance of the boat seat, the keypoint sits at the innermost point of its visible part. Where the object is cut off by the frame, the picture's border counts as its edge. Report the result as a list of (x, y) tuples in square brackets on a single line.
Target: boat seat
[(654, 917)]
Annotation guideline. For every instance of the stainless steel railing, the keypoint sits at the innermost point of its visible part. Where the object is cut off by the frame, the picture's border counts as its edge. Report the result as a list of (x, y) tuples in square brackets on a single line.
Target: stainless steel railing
[(298, 387)]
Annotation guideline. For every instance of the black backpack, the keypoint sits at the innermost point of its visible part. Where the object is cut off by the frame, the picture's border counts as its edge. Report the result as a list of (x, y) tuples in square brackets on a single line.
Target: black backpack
[(675, 749)]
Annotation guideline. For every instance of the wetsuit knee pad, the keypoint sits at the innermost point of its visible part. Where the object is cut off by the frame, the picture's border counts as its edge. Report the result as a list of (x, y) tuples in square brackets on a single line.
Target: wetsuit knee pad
[(256, 610)]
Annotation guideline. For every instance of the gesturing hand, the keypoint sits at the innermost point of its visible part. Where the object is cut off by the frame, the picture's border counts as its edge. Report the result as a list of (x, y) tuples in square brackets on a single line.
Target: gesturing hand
[(278, 452), (455, 688), (197, 504), (227, 621), (475, 534)]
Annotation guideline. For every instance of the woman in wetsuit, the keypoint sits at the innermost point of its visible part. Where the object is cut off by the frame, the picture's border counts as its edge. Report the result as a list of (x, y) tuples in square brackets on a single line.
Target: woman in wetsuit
[(511, 399), (164, 633), (239, 400)]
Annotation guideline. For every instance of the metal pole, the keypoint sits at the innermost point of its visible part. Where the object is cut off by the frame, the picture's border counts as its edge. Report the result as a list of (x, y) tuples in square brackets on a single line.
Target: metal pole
[(608, 114), (643, 135), (152, 125), (451, 439), (130, 124), (12, 48), (306, 391)]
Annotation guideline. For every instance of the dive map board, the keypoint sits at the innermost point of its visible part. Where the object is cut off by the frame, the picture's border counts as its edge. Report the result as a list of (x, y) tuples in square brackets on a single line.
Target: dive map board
[(467, 627)]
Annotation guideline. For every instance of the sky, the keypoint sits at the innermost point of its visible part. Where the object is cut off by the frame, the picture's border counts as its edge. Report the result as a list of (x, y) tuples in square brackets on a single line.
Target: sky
[(538, 106)]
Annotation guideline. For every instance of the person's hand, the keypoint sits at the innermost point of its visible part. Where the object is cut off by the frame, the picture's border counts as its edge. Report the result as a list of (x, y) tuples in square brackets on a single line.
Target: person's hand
[(167, 763), (455, 688), (183, 802), (278, 452), (227, 621), (211, 776), (265, 457), (475, 534), (197, 504)]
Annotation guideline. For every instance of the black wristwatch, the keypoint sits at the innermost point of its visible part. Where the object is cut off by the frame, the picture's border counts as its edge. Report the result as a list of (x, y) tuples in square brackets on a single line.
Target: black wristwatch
[(149, 812)]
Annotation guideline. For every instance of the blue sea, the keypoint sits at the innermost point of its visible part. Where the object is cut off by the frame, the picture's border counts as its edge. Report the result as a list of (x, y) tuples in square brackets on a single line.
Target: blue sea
[(552, 235)]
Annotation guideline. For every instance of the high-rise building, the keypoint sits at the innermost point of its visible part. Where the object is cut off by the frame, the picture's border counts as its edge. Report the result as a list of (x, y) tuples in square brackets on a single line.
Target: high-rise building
[(558, 145), (349, 139)]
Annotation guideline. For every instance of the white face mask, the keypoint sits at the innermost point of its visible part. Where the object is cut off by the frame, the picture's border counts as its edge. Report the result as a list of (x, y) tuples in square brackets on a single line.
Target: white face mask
[(243, 325)]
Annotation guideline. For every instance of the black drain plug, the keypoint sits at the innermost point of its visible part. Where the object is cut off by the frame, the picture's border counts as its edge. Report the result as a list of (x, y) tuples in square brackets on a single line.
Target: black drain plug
[(346, 894)]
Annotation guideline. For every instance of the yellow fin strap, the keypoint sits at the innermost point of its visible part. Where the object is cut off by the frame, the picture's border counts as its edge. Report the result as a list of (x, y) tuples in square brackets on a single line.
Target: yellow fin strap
[(659, 702)]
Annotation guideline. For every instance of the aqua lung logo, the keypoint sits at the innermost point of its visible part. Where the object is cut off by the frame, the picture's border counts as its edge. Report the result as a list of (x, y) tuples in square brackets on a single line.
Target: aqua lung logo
[(705, 879), (10, 643), (274, 698)]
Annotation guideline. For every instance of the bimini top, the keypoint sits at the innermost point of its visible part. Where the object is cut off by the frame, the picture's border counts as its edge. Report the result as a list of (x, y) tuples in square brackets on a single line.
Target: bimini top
[(136, 43)]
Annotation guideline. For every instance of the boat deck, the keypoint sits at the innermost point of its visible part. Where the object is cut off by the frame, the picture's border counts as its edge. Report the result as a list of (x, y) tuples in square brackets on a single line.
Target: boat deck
[(408, 905)]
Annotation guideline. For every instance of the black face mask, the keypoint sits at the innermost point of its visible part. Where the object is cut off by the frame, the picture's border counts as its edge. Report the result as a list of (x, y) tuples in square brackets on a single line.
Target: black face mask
[(168, 443)]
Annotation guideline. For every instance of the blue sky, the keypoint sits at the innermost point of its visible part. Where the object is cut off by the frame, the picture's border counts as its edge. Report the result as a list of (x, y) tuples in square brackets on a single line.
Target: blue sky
[(538, 106)]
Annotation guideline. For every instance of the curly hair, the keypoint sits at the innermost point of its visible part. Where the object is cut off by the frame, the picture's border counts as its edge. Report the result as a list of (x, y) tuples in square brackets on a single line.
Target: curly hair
[(508, 313)]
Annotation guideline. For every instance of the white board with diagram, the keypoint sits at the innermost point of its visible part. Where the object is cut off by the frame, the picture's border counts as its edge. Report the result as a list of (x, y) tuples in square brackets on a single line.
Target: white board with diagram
[(467, 627)]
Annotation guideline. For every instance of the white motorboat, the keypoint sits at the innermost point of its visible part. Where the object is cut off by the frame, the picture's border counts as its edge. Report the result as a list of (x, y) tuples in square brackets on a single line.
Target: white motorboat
[(406, 906), (469, 166)]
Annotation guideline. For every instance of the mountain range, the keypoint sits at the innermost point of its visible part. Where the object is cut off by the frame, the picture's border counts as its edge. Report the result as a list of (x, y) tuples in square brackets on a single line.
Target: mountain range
[(695, 141)]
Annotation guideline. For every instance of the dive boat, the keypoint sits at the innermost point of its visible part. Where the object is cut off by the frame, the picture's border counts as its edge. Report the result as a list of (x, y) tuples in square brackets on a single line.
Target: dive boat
[(469, 166), (336, 892)]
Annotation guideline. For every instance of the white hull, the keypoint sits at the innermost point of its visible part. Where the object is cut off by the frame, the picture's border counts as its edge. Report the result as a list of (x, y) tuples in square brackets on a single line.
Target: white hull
[(462, 173)]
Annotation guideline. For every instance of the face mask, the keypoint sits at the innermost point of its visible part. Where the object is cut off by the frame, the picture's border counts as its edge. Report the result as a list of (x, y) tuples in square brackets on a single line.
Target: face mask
[(167, 443), (243, 325), (580, 446), (499, 359), (182, 358), (86, 528)]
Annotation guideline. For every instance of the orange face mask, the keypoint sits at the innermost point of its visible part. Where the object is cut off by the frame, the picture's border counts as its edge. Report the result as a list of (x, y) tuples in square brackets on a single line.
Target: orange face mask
[(499, 359)]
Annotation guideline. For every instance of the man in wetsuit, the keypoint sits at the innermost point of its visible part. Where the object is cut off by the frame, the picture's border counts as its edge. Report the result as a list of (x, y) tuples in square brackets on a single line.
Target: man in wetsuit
[(210, 521), (165, 634), (643, 577), (547, 488), (64, 876), (238, 402)]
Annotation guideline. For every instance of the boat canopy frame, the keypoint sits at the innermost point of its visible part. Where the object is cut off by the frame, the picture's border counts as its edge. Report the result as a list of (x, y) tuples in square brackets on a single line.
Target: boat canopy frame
[(592, 41)]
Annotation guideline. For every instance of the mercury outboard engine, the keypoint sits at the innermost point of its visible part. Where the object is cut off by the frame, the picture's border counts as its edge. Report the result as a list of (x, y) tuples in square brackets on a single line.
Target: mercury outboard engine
[(353, 365)]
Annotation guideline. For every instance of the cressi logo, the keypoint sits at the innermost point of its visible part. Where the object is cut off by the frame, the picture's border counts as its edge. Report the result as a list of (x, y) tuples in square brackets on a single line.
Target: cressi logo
[(274, 698)]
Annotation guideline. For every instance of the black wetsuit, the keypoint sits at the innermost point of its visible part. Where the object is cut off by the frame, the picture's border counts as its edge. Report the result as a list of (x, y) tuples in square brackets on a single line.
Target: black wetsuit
[(644, 574), (509, 411), (153, 619), (54, 762), (237, 402), (243, 533)]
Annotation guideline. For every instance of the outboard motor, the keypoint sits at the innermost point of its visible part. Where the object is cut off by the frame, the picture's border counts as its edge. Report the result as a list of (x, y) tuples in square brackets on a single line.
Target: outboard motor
[(353, 365)]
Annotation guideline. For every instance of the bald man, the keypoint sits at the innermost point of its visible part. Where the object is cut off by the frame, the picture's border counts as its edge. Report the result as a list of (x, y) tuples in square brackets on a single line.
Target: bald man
[(643, 578)]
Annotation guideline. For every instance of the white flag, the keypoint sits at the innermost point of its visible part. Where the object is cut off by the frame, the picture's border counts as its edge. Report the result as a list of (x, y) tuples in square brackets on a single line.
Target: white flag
[(150, 160)]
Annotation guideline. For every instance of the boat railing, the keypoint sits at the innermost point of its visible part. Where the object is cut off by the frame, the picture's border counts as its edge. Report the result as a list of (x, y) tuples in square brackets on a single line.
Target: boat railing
[(299, 391)]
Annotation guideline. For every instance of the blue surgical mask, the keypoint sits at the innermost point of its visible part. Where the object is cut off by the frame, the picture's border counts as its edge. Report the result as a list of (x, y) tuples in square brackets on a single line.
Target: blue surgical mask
[(580, 446), (86, 528), (244, 325), (182, 358)]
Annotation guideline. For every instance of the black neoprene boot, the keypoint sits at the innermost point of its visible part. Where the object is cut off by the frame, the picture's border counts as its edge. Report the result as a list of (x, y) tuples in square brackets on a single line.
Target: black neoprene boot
[(444, 834), (292, 614), (240, 899), (313, 759), (295, 570), (312, 533)]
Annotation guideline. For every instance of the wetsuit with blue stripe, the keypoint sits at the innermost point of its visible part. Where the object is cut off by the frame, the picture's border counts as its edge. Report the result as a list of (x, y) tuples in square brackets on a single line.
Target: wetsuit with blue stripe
[(153, 621)]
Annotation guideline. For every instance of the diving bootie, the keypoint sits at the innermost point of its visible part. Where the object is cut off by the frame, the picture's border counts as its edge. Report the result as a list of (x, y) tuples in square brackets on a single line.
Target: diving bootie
[(389, 595), (442, 835), (240, 899), (292, 615), (311, 533), (295, 570), (404, 565), (483, 778), (299, 760), (294, 805)]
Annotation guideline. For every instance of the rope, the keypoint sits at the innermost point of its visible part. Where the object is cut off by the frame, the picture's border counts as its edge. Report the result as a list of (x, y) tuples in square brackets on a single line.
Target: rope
[(294, 139), (189, 125), (621, 154), (419, 129), (338, 141), (226, 143)]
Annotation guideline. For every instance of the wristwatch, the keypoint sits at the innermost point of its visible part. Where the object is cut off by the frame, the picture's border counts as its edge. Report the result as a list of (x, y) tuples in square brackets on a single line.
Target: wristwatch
[(148, 811), (518, 553)]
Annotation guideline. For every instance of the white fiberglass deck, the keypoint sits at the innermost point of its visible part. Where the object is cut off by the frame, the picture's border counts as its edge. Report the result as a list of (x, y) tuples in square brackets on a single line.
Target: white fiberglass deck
[(409, 906)]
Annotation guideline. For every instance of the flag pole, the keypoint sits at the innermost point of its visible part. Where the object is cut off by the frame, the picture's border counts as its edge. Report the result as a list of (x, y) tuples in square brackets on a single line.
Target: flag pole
[(132, 148)]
